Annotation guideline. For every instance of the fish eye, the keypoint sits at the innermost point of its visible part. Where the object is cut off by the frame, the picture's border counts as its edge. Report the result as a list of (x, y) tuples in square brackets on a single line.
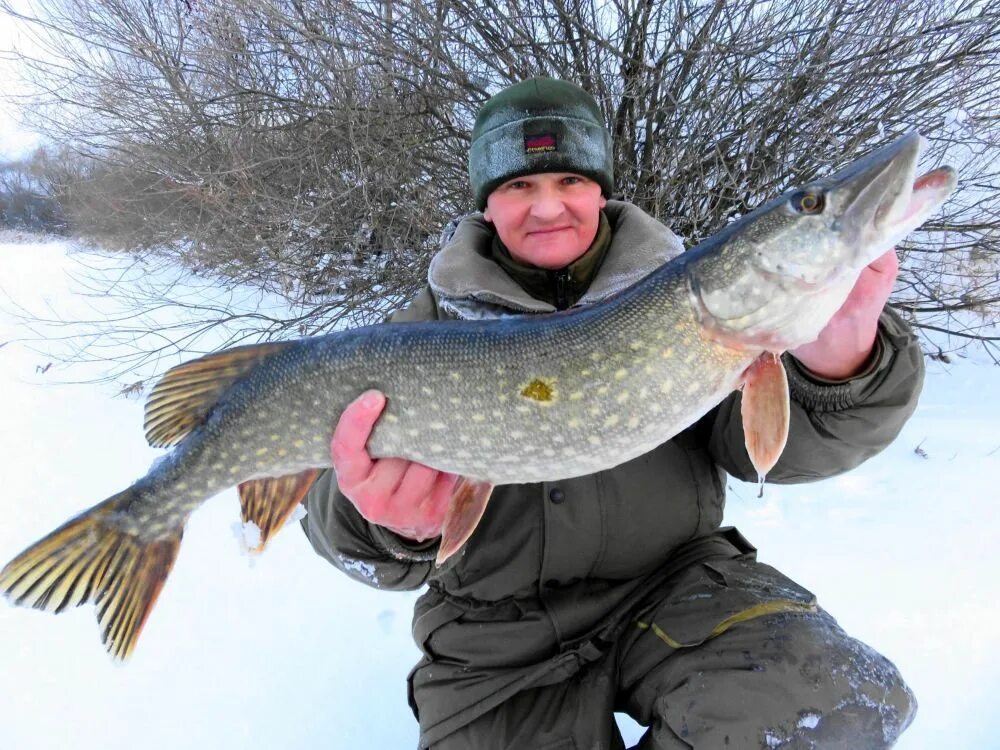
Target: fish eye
[(808, 202)]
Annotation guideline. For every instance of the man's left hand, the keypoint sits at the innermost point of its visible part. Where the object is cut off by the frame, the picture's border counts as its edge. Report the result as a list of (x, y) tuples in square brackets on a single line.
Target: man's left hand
[(845, 345)]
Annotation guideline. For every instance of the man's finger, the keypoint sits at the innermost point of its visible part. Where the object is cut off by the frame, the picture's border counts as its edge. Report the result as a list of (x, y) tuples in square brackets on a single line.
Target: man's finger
[(384, 478), (444, 487), (351, 461), (417, 483), (887, 263)]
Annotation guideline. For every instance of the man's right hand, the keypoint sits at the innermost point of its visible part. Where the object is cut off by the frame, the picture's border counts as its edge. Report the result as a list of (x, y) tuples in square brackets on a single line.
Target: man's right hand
[(407, 498)]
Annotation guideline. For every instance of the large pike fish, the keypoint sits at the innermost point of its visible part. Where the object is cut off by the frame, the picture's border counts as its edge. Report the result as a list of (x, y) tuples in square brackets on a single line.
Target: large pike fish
[(522, 399)]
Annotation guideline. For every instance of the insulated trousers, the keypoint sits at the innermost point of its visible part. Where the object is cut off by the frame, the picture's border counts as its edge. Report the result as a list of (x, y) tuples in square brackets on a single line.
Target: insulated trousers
[(778, 675)]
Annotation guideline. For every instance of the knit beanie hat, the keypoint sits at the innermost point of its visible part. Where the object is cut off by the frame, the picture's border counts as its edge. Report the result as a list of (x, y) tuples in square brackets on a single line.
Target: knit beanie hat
[(539, 125)]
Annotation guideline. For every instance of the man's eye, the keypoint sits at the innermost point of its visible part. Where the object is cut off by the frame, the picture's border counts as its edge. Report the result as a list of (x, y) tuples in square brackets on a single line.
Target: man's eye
[(517, 185), (572, 180)]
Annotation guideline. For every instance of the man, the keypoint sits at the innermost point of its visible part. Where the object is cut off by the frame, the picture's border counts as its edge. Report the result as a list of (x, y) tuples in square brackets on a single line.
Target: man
[(619, 590)]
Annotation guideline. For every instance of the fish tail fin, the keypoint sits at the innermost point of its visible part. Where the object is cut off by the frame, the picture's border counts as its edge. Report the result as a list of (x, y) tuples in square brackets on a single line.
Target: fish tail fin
[(92, 559)]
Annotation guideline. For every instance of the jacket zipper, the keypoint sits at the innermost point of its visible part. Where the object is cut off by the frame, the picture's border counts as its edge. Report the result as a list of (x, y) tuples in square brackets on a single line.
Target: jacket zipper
[(562, 289)]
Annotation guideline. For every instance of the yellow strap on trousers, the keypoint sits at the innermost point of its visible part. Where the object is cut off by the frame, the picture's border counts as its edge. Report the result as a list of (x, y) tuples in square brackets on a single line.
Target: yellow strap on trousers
[(750, 613)]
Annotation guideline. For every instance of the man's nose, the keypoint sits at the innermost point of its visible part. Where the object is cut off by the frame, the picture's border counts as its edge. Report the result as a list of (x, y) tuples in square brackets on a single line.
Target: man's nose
[(547, 205)]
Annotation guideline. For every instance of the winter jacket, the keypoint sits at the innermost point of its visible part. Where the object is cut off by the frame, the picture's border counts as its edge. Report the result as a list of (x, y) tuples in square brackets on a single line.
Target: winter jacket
[(555, 569)]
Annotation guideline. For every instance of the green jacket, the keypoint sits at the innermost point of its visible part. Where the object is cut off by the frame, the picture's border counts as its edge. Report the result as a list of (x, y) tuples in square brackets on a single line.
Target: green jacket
[(556, 569)]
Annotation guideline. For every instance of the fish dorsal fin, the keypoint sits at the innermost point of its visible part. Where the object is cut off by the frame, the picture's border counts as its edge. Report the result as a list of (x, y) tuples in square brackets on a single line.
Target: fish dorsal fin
[(185, 395), (766, 412)]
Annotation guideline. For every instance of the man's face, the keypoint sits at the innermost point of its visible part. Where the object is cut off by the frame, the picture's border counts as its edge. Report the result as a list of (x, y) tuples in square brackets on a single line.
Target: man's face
[(546, 220)]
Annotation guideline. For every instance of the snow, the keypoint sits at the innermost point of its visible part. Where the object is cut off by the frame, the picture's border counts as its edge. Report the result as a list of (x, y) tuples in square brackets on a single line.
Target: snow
[(248, 534), (292, 653), (289, 653), (809, 721)]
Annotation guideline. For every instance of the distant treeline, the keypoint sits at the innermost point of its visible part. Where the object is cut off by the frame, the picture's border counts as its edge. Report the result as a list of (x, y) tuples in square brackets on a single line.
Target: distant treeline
[(25, 202)]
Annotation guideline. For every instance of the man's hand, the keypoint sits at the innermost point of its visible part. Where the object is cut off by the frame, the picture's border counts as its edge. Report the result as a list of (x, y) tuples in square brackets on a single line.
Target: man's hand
[(407, 498), (845, 345)]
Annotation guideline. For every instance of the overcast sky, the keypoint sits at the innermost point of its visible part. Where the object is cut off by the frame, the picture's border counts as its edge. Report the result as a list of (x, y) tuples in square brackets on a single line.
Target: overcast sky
[(14, 140)]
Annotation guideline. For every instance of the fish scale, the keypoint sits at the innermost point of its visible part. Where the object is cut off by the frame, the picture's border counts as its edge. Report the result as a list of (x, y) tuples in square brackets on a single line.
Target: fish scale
[(519, 399)]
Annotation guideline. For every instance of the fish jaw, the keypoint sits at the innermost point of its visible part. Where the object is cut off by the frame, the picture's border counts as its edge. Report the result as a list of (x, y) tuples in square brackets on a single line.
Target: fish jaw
[(883, 199), (911, 209), (781, 273)]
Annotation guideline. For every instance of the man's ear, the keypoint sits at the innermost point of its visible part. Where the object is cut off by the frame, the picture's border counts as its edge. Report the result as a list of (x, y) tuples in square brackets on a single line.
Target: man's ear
[(486, 215), (604, 201)]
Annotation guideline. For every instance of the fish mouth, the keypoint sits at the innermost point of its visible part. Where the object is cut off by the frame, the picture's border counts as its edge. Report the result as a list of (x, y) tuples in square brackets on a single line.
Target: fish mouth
[(881, 197), (913, 206)]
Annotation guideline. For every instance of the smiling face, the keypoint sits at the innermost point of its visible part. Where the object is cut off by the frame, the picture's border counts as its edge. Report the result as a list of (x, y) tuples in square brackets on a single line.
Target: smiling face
[(546, 220)]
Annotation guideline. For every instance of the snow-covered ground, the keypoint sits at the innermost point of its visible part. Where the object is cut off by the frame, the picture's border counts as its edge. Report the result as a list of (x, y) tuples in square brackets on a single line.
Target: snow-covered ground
[(285, 652)]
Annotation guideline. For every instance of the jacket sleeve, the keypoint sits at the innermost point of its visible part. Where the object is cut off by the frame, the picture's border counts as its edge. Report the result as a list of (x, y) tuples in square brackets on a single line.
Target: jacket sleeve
[(833, 426), (365, 551)]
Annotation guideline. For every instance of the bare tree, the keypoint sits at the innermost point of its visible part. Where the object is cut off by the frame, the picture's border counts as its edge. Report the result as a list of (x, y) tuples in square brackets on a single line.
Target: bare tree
[(317, 149)]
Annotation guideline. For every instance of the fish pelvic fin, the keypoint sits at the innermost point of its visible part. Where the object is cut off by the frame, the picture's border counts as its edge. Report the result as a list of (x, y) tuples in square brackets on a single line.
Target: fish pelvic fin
[(185, 395), (267, 503), (90, 559), (766, 411), (468, 503)]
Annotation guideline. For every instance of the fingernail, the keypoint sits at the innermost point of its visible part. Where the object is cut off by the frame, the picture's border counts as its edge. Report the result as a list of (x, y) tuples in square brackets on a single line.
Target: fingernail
[(370, 400)]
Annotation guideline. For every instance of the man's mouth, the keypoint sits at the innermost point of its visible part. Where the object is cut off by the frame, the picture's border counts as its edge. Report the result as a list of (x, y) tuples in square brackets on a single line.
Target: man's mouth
[(551, 230)]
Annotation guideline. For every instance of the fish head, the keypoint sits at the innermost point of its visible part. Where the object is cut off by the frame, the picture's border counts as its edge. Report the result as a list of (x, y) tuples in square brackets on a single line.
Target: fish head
[(773, 279)]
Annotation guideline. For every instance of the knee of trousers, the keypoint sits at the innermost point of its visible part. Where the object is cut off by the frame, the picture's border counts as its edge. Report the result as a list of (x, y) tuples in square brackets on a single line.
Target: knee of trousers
[(789, 681), (866, 703)]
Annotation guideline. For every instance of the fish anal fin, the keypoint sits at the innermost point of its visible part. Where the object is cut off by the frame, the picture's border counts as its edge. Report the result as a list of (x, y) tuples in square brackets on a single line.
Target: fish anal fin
[(269, 502), (90, 559), (185, 395), (468, 503), (765, 411)]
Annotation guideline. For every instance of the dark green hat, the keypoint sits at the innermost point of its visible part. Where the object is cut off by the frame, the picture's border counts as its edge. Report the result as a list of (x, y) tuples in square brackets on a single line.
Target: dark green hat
[(539, 125)]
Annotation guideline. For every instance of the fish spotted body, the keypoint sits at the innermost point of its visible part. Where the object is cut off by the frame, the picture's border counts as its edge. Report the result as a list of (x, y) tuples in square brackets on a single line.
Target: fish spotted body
[(521, 399)]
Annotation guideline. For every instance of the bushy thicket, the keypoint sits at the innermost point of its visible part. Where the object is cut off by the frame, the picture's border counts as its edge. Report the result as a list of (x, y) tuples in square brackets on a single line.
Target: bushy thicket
[(317, 149)]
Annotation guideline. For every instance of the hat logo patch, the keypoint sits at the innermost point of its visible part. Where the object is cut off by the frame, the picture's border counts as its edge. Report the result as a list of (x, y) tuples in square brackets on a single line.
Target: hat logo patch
[(539, 144)]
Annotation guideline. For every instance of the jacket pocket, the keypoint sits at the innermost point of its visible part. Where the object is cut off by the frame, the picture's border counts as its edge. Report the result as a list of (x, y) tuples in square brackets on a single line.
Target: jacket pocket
[(708, 598), (431, 619)]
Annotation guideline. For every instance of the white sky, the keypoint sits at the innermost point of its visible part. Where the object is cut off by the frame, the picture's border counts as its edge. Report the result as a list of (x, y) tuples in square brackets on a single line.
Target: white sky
[(15, 141), (289, 653)]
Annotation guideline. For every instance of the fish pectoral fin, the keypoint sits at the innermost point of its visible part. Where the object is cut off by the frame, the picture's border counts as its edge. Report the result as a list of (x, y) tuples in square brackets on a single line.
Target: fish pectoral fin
[(268, 503), (185, 395), (468, 503), (91, 559), (765, 411)]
